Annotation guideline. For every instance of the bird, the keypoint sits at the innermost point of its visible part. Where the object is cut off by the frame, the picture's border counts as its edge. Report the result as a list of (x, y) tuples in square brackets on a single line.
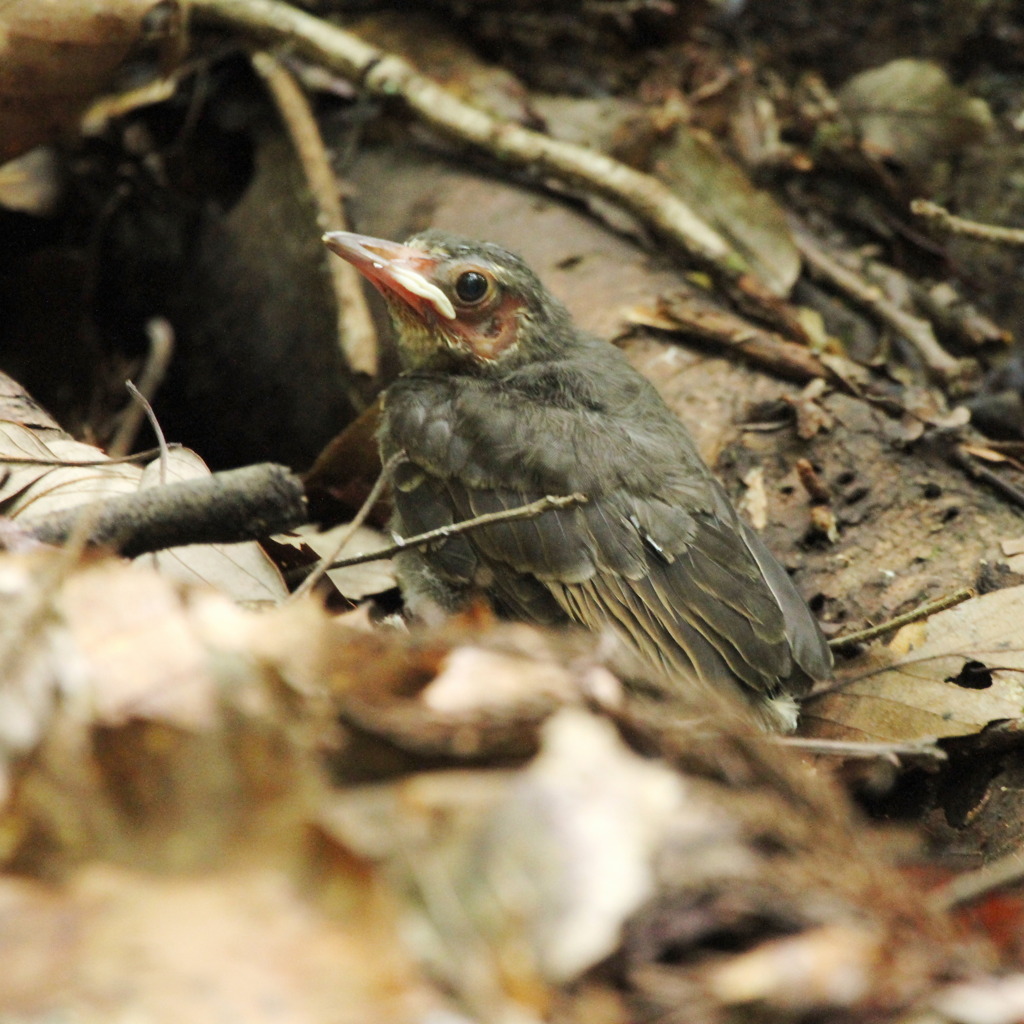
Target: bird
[(502, 400)]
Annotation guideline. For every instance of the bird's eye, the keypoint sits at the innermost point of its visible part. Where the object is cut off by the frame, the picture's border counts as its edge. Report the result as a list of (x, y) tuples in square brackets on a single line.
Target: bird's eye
[(471, 286)]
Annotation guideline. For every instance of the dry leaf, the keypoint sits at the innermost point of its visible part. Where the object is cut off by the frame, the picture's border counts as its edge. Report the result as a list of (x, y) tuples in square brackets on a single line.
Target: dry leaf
[(693, 166), (948, 676), (36, 483), (355, 581), (55, 57), (910, 112), (244, 571), (33, 488)]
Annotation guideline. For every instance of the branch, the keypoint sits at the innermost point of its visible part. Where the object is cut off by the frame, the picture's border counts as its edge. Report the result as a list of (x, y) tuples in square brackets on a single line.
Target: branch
[(390, 77), (355, 325), (917, 331), (237, 505), (531, 511), (955, 225), (923, 611)]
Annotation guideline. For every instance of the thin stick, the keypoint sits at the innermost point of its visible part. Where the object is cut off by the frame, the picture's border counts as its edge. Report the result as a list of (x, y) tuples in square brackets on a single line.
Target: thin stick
[(154, 425), (161, 348), (962, 226), (329, 560), (386, 75), (961, 458), (924, 611), (356, 332), (852, 748), (531, 511), (973, 885), (917, 331)]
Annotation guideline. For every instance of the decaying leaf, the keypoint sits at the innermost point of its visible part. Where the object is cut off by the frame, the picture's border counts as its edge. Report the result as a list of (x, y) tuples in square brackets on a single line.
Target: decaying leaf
[(909, 111), (948, 676), (55, 57), (189, 731), (749, 217), (244, 571), (43, 479), (355, 581)]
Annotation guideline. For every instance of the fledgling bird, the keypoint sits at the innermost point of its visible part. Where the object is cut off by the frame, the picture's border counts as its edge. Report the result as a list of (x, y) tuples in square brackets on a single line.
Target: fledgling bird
[(503, 400)]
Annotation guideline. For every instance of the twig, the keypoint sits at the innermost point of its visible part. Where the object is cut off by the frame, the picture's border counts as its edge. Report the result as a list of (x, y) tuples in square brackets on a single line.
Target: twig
[(32, 460), (927, 749), (531, 511), (917, 331), (962, 226), (389, 76), (365, 509), (962, 459), (723, 329), (923, 611), (973, 885), (236, 505), (154, 424), (161, 348), (356, 332)]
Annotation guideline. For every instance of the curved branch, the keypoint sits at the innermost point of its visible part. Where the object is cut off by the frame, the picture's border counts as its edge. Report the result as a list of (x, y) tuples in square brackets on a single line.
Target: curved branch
[(389, 76)]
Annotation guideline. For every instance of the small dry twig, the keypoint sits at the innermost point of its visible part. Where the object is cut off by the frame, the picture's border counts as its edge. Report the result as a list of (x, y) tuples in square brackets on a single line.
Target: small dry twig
[(164, 449), (530, 511), (355, 325), (955, 225), (161, 347), (918, 332), (892, 752), (725, 330), (923, 611), (974, 885), (962, 458), (365, 509)]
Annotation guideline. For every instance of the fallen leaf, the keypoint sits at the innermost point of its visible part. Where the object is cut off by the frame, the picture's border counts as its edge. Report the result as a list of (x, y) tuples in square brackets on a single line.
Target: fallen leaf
[(244, 570), (56, 56), (693, 166), (909, 111), (949, 676)]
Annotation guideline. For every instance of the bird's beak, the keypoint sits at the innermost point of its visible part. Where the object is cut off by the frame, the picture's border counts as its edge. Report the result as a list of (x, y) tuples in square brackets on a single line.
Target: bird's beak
[(397, 271)]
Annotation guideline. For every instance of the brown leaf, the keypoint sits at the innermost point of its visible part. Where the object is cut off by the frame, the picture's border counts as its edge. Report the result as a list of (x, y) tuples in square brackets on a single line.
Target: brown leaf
[(55, 57), (246, 944), (244, 571), (949, 676), (910, 112)]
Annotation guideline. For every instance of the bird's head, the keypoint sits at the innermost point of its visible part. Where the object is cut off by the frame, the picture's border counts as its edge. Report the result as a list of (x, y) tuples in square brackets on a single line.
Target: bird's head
[(458, 303)]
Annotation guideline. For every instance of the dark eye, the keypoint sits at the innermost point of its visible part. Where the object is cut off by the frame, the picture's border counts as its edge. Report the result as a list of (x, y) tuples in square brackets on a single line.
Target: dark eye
[(471, 286)]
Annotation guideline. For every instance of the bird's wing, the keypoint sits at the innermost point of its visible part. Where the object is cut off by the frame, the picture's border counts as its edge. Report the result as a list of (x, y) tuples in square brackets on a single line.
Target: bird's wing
[(683, 589), (679, 575)]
